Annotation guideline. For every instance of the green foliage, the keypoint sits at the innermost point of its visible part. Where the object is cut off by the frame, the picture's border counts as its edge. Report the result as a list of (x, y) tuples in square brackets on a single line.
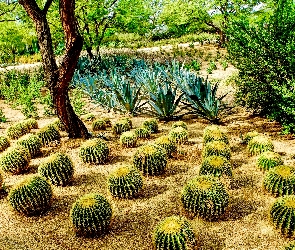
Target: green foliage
[(178, 135), (121, 126), (32, 143), (216, 165), (77, 103), (2, 116), (179, 124), (17, 130), (248, 136), (194, 65), (128, 139), (94, 151), (151, 124), (173, 233), (151, 159), (57, 168), (142, 132), (91, 215), (212, 66), (99, 124), (205, 196), (214, 133), (166, 143), (268, 160), (4, 143), (224, 64), (125, 182), (31, 196), (217, 148), (47, 102), (259, 144), (280, 180), (48, 134)]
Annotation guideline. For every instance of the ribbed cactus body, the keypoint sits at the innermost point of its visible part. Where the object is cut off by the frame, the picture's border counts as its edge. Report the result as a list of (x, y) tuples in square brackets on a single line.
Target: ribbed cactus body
[(17, 130), (48, 134), (151, 159), (259, 144), (121, 126), (290, 246), (31, 196), (58, 125), (94, 151), (4, 143), (217, 148), (248, 136), (127, 119), (179, 124), (174, 233), (32, 143), (91, 215), (151, 124), (31, 123), (166, 143), (216, 165), (268, 160), (178, 135), (99, 124), (128, 139), (57, 168), (214, 133), (88, 117), (143, 132)]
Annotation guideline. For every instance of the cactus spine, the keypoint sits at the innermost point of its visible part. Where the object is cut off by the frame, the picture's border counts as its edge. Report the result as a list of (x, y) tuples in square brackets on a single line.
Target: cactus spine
[(259, 144), (214, 133), (143, 132), (99, 124), (48, 134), (128, 139), (166, 143), (178, 135)]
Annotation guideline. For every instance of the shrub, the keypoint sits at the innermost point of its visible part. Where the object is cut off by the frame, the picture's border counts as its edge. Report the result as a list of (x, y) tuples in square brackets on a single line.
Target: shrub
[(205, 196), (268, 160), (48, 134), (259, 144), (99, 124), (173, 233), (142, 132), (128, 139), (151, 124), (31, 196), (32, 143), (121, 126), (57, 168), (15, 160), (166, 143), (217, 148), (94, 151), (17, 130), (216, 166), (4, 143), (178, 135), (248, 137), (125, 182), (213, 133), (179, 124), (91, 215), (151, 159)]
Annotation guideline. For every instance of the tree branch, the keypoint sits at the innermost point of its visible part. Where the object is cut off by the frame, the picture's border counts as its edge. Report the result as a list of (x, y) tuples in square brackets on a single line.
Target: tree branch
[(32, 9), (46, 6)]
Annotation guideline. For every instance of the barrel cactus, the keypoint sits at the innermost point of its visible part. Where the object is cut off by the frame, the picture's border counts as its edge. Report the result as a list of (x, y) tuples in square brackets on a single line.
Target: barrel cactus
[(260, 144), (88, 117), (205, 196), (290, 246), (15, 160), (143, 132), (4, 143), (31, 123), (31, 196), (178, 135), (126, 119), (174, 233), (125, 182), (17, 130), (151, 159), (280, 180), (57, 168), (121, 126), (179, 124), (249, 136), (59, 125), (128, 139), (217, 148), (166, 143), (91, 215), (48, 134), (94, 151), (268, 160), (216, 166), (99, 124), (282, 214), (151, 124), (214, 133), (32, 143)]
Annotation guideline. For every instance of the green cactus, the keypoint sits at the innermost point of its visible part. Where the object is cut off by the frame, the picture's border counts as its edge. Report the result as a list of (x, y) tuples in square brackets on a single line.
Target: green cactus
[(108, 121), (151, 159), (128, 139), (32, 143), (143, 132), (17, 130), (205, 196), (57, 168), (174, 233), (48, 134), (280, 180), (166, 143), (31, 196), (290, 246), (99, 124), (4, 143), (259, 144), (88, 117), (268, 160), (249, 136), (217, 148), (179, 124), (126, 119), (121, 126), (94, 151), (282, 214), (151, 124), (15, 160), (31, 123), (214, 133), (125, 182), (58, 125), (91, 215), (216, 166), (178, 135)]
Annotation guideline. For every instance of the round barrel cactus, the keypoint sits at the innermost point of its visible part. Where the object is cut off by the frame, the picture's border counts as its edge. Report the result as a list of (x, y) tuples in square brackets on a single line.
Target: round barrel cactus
[(127, 119), (248, 136), (290, 246), (216, 166), (31, 123), (128, 139), (58, 125), (205, 196), (88, 117), (17, 130), (151, 159), (4, 143), (174, 233), (217, 148), (99, 124), (15, 160), (121, 126), (91, 215), (282, 214), (280, 180), (214, 133), (151, 124), (268, 160), (57, 168), (48, 134), (94, 151), (166, 143), (143, 132), (179, 124), (125, 182), (178, 135), (259, 144), (32, 143), (31, 196)]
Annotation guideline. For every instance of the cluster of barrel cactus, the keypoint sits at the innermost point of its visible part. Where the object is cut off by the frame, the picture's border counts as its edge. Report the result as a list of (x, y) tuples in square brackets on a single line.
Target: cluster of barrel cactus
[(214, 133), (166, 143), (94, 151), (121, 126), (218, 148), (143, 132), (59, 125), (179, 124), (17, 130), (268, 160), (99, 124), (248, 136), (128, 139)]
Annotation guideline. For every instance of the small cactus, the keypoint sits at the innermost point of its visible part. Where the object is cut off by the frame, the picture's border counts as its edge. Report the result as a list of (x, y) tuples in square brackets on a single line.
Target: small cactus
[(121, 126), (17, 130), (88, 117), (151, 159), (91, 215), (205, 196), (31, 196), (217, 148), (99, 124), (32, 143), (151, 124), (214, 133), (178, 135), (57, 168), (128, 139), (31, 123), (174, 233), (259, 144), (268, 160), (4, 143), (125, 182), (290, 246), (280, 180), (15, 160), (48, 134), (94, 151), (59, 125), (126, 119), (108, 121), (249, 136), (143, 132), (179, 124), (166, 143), (216, 166)]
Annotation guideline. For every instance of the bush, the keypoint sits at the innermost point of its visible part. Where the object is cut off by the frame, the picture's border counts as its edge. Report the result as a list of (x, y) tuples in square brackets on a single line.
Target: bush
[(151, 124), (128, 139), (217, 148), (48, 134), (178, 135), (214, 133), (4, 143), (259, 144), (216, 166), (32, 143), (94, 151), (268, 160)]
